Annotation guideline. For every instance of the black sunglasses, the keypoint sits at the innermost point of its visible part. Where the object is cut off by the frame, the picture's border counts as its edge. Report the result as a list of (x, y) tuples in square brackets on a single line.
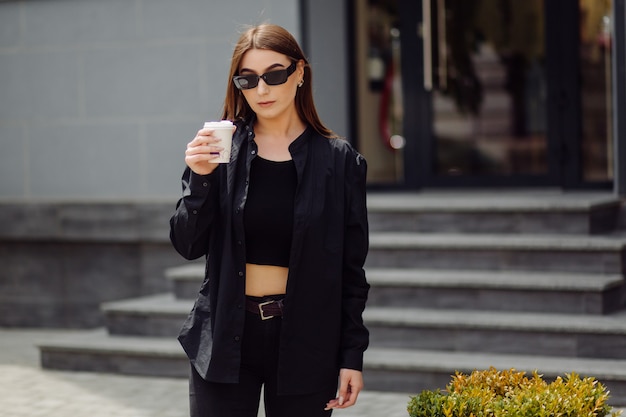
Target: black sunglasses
[(245, 82)]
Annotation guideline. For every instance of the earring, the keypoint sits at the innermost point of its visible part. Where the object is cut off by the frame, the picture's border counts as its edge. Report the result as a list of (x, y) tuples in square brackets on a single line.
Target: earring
[(301, 83)]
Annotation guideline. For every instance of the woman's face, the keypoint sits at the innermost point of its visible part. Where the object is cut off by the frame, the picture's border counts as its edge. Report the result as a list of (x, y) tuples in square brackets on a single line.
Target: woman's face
[(270, 101)]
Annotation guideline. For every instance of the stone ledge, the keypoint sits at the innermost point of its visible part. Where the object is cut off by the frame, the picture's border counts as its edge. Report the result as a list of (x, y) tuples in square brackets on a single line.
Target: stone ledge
[(497, 320), (523, 201), (154, 305), (421, 360), (86, 221), (498, 242), (526, 280), (100, 342)]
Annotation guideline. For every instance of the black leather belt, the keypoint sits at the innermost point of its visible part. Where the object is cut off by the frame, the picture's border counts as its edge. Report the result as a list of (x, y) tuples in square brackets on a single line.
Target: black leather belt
[(266, 309)]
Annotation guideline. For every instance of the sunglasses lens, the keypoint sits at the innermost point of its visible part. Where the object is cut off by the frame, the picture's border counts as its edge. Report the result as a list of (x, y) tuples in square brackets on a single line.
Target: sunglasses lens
[(244, 82), (275, 77)]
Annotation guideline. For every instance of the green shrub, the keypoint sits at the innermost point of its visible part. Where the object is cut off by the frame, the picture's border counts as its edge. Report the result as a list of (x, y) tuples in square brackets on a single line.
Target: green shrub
[(509, 393)]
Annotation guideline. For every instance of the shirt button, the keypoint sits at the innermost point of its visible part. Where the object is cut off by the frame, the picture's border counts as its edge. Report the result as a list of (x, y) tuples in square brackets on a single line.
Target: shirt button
[(195, 212), (205, 184), (237, 338), (253, 152), (240, 273)]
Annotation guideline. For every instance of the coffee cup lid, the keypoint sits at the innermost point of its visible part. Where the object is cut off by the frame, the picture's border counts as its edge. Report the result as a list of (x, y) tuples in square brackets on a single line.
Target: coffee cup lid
[(221, 123)]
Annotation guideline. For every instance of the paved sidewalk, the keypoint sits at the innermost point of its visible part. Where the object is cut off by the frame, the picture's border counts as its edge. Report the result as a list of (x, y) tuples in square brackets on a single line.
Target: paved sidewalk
[(26, 390)]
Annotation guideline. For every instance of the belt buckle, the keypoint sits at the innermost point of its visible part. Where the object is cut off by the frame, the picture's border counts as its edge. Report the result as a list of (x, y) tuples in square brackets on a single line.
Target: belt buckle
[(263, 316)]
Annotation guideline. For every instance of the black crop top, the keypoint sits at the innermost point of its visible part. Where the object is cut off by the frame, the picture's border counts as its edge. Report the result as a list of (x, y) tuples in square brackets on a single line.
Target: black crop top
[(268, 214)]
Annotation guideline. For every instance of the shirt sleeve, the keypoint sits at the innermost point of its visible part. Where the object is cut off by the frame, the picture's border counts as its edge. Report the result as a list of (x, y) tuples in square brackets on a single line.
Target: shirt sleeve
[(354, 334), (195, 213)]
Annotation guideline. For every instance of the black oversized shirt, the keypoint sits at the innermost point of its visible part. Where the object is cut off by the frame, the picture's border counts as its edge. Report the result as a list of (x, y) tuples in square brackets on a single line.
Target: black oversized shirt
[(322, 325)]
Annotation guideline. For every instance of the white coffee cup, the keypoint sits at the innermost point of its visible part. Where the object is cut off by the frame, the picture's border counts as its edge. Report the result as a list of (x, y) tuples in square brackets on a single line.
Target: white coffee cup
[(224, 130)]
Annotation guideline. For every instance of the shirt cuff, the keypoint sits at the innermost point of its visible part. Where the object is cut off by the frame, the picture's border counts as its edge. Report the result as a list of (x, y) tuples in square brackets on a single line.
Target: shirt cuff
[(201, 184), (352, 360)]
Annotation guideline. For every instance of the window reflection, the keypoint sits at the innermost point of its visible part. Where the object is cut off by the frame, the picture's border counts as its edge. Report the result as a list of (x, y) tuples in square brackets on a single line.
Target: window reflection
[(485, 76), (490, 110), (596, 96), (379, 89)]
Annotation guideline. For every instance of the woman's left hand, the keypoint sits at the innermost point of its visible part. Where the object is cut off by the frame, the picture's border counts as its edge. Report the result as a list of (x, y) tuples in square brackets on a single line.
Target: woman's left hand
[(350, 384)]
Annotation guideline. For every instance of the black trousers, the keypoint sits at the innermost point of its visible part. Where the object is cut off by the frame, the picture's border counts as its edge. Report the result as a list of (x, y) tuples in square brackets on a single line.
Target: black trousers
[(258, 368)]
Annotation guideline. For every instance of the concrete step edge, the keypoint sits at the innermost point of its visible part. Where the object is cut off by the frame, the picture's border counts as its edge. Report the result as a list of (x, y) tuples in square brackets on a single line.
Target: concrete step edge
[(404, 360), (497, 321), (101, 343), (561, 281), (403, 240), (161, 304), (488, 202), (489, 279), (190, 271)]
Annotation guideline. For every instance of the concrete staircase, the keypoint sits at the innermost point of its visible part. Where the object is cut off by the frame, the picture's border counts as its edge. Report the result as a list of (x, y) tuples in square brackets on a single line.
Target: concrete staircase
[(460, 281)]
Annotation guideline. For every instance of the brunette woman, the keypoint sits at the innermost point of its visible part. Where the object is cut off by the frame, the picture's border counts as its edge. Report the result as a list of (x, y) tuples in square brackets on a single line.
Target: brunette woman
[(283, 227)]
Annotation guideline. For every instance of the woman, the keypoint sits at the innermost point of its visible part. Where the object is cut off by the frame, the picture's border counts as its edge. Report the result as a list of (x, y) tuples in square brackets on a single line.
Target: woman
[(284, 228)]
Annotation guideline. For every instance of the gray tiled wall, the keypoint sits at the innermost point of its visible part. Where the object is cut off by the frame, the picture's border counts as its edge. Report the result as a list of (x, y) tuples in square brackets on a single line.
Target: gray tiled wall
[(60, 261), (99, 98)]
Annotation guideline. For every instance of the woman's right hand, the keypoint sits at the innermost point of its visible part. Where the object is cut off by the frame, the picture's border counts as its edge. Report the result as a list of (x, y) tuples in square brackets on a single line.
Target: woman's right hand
[(201, 151)]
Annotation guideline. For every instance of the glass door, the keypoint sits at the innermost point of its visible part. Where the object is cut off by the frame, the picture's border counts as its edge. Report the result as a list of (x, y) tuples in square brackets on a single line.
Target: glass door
[(484, 92), (485, 80)]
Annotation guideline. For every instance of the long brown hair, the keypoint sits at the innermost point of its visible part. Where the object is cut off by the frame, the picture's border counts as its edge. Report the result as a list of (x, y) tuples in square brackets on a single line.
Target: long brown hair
[(277, 39)]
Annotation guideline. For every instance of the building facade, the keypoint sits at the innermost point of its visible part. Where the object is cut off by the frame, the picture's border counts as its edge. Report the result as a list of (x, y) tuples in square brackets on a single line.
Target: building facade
[(98, 100)]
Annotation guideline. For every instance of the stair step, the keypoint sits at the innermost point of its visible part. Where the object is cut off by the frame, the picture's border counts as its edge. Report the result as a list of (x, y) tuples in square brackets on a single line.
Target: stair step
[(514, 280), (484, 290), (525, 333), (97, 351), (156, 315), (386, 369), (506, 212), (524, 290), (186, 279), (401, 370), (497, 332), (497, 252)]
